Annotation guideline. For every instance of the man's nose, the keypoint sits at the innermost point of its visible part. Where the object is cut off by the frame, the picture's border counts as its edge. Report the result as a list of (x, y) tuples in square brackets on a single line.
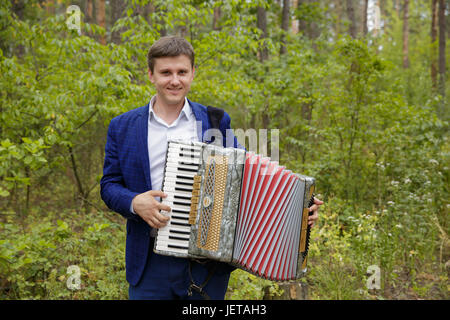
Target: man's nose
[(175, 79)]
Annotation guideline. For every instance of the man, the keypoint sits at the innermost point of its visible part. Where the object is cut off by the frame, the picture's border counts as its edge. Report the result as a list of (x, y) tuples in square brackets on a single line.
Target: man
[(133, 173)]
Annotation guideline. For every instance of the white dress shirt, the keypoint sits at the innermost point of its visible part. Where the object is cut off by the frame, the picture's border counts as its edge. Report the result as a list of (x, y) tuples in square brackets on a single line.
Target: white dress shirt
[(184, 127)]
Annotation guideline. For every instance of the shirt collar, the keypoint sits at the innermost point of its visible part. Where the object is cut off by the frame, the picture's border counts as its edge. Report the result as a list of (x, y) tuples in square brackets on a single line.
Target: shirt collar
[(186, 111)]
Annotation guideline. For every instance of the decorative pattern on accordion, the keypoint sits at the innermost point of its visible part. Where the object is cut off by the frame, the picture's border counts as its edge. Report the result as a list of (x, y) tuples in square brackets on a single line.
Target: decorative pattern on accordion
[(194, 200), (212, 204)]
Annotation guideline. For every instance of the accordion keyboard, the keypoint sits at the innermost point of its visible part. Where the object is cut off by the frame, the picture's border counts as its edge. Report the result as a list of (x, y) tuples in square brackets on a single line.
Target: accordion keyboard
[(182, 164)]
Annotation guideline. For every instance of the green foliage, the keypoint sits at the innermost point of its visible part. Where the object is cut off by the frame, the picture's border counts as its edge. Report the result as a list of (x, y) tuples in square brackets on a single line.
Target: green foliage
[(36, 252), (246, 286)]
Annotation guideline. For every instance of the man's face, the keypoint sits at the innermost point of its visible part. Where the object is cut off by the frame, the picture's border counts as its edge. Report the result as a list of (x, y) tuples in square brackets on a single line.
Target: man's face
[(172, 77)]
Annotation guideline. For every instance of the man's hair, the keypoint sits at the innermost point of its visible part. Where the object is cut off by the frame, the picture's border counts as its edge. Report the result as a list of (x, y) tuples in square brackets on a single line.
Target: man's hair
[(170, 46)]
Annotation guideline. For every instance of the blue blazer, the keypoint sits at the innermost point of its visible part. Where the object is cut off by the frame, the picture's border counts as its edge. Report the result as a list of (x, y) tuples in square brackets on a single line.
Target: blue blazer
[(126, 173)]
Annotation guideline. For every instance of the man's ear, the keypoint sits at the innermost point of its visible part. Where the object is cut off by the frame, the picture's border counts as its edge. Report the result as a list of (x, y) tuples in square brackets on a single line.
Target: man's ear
[(150, 75)]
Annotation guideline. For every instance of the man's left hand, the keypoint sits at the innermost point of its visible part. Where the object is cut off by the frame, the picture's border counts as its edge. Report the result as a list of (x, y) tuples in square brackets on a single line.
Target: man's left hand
[(315, 209)]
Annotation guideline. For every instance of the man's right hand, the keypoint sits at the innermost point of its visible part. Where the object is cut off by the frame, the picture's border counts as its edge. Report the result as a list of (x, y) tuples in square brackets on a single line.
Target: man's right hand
[(147, 207)]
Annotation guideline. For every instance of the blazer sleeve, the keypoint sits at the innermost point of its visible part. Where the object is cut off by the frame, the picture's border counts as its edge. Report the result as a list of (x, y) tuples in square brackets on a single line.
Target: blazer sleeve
[(112, 187)]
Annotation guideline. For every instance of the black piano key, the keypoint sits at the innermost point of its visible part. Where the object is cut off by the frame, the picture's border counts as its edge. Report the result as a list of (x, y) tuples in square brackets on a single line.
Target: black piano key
[(180, 232), (177, 247), (175, 223), (177, 238)]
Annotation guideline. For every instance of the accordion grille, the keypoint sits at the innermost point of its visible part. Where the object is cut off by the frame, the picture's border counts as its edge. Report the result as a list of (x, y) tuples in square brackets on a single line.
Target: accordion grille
[(210, 218)]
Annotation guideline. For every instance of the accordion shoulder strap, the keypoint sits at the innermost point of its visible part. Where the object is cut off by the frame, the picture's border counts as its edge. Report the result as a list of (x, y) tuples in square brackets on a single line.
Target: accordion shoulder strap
[(215, 116), (199, 288)]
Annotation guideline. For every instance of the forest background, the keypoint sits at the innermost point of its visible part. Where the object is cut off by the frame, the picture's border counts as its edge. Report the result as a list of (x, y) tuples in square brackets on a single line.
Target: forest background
[(358, 90)]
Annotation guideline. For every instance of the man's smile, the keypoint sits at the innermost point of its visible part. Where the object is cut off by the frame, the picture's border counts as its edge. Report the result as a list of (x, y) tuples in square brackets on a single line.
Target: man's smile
[(174, 90)]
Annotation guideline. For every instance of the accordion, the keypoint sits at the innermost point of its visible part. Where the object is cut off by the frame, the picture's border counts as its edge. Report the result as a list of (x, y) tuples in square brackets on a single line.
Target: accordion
[(236, 207)]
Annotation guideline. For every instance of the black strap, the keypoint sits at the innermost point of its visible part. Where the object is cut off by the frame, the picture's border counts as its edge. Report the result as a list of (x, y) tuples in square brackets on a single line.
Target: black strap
[(199, 288), (215, 116)]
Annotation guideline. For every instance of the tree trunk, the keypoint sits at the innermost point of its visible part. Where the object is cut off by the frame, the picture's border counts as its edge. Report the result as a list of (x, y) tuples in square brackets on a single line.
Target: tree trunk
[(376, 19), (18, 7), (397, 7), (338, 8), (216, 18), (383, 8), (161, 11), (309, 29), (365, 30), (100, 13), (406, 34), (89, 11), (434, 34), (50, 6), (149, 8), (261, 23), (294, 23), (117, 9), (301, 23), (183, 30), (80, 194), (351, 17), (285, 25), (442, 39)]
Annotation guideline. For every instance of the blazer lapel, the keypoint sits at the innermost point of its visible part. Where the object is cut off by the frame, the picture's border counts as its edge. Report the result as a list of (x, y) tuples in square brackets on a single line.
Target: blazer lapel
[(202, 116), (142, 135)]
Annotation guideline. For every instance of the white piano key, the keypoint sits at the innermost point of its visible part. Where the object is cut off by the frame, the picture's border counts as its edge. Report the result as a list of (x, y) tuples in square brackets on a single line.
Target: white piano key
[(170, 186), (179, 221), (182, 203), (178, 174), (166, 234), (182, 167), (187, 196), (175, 228), (178, 212), (177, 241), (182, 213), (173, 146), (170, 191), (174, 239), (164, 247), (178, 195), (176, 207), (181, 157), (176, 170), (178, 180), (175, 184), (185, 160), (178, 164), (184, 152)]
